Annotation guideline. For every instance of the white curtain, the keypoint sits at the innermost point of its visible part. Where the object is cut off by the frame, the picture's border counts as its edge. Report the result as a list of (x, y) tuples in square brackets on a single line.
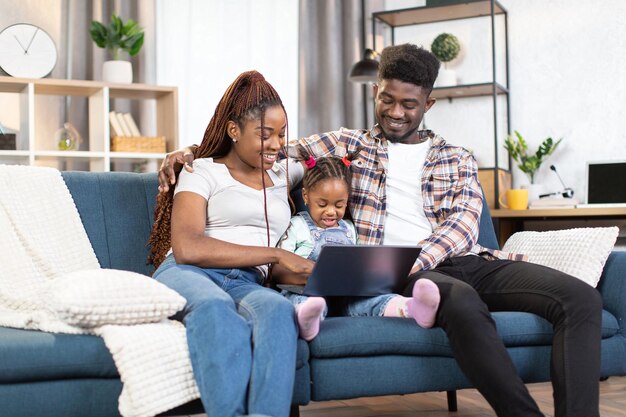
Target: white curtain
[(331, 42), (203, 45)]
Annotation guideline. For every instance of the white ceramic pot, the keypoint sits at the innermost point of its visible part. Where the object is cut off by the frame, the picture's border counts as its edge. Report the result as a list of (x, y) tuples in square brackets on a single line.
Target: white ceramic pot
[(534, 191), (117, 72), (446, 78)]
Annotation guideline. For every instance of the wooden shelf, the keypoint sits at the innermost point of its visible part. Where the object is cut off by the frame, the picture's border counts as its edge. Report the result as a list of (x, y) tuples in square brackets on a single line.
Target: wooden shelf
[(508, 221), (98, 94), (69, 154), (558, 213), (136, 155), (432, 14), (470, 90)]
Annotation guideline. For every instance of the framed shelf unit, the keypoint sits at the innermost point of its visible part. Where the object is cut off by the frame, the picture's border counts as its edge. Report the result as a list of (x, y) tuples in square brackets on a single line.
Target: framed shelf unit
[(36, 148), (493, 184)]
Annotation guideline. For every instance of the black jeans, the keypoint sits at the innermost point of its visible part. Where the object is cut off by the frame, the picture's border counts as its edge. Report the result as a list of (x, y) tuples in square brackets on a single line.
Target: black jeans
[(471, 286)]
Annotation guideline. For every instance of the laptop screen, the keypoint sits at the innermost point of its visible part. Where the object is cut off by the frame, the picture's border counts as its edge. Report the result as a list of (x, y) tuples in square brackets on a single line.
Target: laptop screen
[(606, 182)]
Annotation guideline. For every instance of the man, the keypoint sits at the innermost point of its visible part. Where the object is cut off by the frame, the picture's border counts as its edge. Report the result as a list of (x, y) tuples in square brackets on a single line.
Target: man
[(410, 187)]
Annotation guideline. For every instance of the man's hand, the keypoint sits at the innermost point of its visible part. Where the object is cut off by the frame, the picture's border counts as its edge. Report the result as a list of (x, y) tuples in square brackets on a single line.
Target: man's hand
[(173, 163)]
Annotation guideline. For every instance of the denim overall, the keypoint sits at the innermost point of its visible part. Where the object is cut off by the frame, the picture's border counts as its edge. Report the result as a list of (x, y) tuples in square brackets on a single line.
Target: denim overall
[(341, 235)]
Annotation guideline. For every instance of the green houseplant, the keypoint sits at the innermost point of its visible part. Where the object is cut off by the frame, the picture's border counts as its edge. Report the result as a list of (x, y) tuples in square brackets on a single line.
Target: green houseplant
[(529, 163), (446, 47), (117, 37)]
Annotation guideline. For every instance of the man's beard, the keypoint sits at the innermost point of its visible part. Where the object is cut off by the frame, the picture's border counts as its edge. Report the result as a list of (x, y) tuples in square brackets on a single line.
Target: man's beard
[(399, 139)]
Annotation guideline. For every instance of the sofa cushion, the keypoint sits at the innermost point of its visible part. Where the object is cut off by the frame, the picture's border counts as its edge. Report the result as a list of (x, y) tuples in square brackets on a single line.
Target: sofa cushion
[(30, 355), (117, 211), (372, 336), (96, 297), (580, 252)]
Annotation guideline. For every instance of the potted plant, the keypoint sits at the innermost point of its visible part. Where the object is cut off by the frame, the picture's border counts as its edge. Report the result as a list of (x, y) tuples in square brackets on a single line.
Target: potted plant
[(446, 47), (117, 37), (527, 162)]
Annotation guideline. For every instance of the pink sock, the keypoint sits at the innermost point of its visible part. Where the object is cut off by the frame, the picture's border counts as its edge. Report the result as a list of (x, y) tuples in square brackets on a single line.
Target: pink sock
[(423, 306), (309, 315)]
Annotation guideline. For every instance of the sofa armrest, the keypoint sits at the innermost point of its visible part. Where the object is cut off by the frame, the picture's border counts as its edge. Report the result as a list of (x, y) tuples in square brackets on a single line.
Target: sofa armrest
[(613, 286)]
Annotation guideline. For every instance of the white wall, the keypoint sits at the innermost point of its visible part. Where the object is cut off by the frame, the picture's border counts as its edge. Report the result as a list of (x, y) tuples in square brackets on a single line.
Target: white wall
[(203, 45), (567, 60), (566, 63)]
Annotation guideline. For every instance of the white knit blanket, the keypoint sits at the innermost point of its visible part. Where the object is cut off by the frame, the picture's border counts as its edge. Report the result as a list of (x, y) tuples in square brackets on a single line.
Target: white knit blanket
[(43, 239)]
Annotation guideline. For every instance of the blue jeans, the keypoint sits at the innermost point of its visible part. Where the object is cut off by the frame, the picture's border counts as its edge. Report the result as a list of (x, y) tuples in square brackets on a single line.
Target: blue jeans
[(351, 306), (241, 336)]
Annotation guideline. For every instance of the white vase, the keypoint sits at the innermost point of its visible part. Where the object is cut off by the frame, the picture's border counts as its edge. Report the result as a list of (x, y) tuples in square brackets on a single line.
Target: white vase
[(534, 191), (446, 78), (117, 72)]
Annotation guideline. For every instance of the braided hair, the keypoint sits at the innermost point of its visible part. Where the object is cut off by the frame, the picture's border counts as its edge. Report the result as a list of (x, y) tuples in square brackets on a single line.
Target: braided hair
[(247, 98), (330, 167)]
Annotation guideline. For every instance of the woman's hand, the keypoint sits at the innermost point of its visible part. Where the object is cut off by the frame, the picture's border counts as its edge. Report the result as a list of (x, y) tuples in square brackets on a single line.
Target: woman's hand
[(291, 269), (295, 263), (173, 163)]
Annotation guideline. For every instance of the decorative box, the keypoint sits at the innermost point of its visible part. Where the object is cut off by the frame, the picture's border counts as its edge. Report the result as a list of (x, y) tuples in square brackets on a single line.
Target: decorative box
[(145, 144)]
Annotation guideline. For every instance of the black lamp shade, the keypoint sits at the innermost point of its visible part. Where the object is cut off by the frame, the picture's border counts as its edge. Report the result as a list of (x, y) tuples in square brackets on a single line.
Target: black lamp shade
[(366, 70)]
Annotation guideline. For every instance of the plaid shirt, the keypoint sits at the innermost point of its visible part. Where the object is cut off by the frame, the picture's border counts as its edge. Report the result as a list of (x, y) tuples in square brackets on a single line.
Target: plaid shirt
[(450, 189)]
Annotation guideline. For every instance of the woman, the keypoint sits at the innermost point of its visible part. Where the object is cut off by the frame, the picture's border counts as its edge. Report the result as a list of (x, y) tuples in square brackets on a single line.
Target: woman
[(222, 223)]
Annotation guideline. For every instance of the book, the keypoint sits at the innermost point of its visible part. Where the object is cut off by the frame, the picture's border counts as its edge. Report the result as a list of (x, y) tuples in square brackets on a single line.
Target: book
[(553, 202), (130, 122), (116, 128), (123, 125)]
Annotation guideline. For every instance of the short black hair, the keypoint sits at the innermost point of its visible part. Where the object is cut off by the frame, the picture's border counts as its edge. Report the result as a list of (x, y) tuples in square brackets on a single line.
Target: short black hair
[(409, 63)]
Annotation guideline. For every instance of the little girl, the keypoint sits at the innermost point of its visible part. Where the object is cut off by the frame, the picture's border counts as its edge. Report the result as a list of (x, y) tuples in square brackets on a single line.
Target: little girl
[(325, 190)]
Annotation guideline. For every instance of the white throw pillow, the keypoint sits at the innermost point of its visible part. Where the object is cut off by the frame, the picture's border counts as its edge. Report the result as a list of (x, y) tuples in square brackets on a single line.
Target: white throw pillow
[(96, 297), (579, 252)]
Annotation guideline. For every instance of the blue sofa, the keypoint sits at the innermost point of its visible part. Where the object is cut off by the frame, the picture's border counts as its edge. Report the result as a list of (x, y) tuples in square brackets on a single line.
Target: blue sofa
[(45, 374)]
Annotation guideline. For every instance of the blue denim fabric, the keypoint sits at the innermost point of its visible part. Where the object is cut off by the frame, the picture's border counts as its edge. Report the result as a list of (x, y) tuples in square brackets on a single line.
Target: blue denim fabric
[(351, 306), (335, 236), (241, 337)]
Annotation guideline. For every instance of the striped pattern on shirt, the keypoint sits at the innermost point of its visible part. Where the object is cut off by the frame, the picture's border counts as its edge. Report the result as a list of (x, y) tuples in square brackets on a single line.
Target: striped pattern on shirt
[(450, 189)]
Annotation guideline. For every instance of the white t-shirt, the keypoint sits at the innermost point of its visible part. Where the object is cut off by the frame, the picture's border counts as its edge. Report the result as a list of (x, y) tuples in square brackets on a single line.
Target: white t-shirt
[(406, 222), (235, 211)]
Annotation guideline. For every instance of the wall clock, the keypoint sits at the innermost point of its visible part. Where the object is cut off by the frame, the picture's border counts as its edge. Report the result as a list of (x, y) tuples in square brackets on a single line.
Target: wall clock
[(27, 51)]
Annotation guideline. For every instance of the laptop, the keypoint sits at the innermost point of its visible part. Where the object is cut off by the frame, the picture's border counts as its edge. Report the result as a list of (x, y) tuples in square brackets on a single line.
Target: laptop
[(358, 270), (606, 184)]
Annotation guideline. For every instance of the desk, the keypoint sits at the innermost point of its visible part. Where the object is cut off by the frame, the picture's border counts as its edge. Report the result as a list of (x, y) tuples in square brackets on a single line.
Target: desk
[(508, 221)]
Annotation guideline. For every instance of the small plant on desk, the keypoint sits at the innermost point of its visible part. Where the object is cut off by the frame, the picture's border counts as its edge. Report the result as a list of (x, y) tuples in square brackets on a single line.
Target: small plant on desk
[(529, 163)]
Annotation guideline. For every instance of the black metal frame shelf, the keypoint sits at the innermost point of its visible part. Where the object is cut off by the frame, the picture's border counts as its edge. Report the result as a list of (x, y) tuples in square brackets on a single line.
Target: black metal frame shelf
[(466, 9), (468, 90)]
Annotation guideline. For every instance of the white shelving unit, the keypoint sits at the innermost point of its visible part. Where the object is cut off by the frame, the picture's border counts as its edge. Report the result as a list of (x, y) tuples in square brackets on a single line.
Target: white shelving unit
[(34, 150)]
